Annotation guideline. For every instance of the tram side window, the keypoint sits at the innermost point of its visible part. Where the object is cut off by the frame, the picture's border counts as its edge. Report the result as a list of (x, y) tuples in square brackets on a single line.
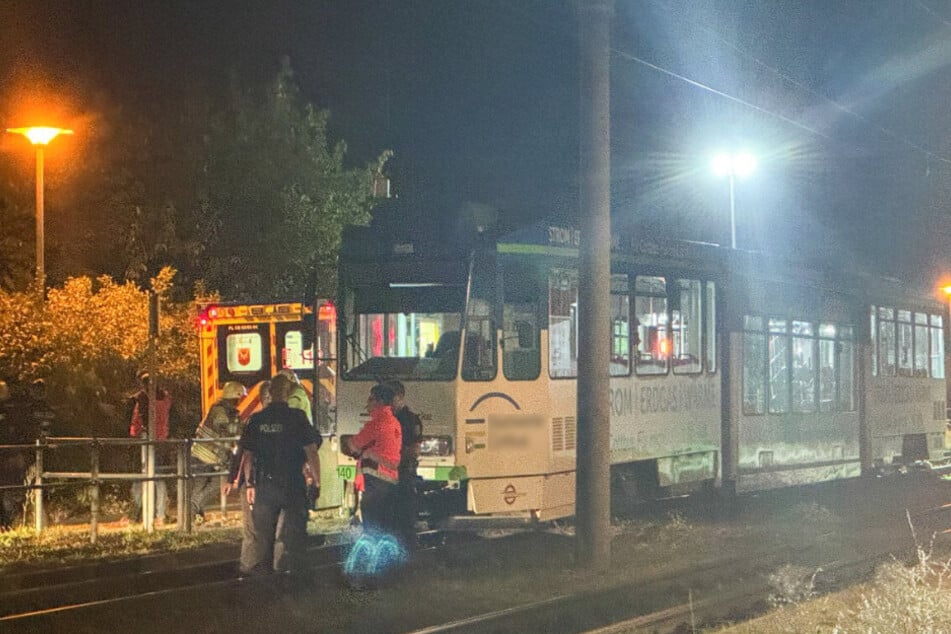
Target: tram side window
[(478, 360), (710, 328), (754, 366), (845, 364), (937, 346), (803, 367), (888, 365), (905, 343), (921, 362), (563, 324), (521, 356), (686, 325), (794, 365), (620, 326), (778, 366), (650, 308)]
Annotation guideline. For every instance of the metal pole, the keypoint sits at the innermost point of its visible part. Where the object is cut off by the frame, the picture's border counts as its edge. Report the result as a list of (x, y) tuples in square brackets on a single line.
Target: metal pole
[(592, 477), (732, 213), (182, 481), (40, 259), (148, 507), (185, 507), (94, 501), (38, 491)]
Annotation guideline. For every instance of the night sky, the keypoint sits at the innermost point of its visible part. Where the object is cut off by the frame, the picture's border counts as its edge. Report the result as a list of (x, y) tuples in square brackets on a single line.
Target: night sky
[(845, 102)]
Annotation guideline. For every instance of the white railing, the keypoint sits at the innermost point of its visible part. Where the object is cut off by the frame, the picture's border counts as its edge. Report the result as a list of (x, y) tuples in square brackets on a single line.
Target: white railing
[(43, 480)]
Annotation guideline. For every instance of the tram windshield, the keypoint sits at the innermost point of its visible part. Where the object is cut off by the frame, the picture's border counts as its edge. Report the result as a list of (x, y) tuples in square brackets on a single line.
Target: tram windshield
[(410, 334)]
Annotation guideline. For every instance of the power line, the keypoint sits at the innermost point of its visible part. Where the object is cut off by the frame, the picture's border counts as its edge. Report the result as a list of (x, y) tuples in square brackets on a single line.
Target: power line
[(838, 106)]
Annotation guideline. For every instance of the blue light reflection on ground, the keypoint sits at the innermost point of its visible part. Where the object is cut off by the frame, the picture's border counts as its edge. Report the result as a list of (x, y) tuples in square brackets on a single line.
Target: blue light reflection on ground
[(374, 555)]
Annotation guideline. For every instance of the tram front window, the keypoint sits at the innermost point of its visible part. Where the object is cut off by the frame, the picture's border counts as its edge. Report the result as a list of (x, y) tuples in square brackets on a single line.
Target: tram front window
[(411, 346)]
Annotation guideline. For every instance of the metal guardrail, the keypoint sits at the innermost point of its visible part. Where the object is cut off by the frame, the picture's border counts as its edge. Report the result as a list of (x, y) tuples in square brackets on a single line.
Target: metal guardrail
[(184, 474)]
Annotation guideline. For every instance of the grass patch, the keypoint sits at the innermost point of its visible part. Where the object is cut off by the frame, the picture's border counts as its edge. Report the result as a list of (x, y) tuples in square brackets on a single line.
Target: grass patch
[(900, 598), (61, 545)]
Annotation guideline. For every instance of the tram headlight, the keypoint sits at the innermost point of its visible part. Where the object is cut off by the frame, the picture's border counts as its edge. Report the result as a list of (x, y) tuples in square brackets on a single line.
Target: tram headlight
[(435, 446)]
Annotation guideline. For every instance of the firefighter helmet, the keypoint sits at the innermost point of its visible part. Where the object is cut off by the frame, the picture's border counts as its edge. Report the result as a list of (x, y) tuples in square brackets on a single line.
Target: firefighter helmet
[(233, 390), (291, 375)]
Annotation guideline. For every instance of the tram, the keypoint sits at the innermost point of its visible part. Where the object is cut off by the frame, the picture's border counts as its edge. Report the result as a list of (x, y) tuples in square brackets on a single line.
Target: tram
[(728, 369)]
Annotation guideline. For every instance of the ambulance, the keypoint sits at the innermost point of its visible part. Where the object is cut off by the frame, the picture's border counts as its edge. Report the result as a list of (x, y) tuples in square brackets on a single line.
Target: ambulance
[(250, 343)]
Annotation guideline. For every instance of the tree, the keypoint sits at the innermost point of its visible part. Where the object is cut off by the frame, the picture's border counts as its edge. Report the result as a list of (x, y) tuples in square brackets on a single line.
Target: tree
[(88, 340), (275, 196)]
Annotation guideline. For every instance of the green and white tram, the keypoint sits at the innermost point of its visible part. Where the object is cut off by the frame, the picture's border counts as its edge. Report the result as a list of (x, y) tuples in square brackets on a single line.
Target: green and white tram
[(727, 369)]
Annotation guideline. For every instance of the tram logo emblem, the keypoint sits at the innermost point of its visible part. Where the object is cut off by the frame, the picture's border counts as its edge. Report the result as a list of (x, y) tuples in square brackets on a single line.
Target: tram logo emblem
[(509, 494)]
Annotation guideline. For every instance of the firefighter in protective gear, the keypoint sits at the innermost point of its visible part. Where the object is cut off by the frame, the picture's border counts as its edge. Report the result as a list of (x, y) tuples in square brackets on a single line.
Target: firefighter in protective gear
[(298, 398), (222, 421)]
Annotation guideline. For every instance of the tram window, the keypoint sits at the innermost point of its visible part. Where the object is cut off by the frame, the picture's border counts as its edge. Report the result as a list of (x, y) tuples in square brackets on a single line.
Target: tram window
[(710, 328), (650, 308), (563, 324), (521, 356), (620, 326), (905, 343), (827, 368), (888, 364), (937, 347), (478, 358), (778, 367), (921, 362), (685, 324), (874, 330), (803, 367), (846, 366), (754, 366)]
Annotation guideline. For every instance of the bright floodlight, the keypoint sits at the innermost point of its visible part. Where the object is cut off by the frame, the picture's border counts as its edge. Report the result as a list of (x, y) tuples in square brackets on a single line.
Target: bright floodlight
[(946, 289), (741, 164), (40, 135)]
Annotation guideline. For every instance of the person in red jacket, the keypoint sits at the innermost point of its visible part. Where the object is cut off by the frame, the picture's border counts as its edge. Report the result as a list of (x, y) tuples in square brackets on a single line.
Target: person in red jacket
[(139, 428), (378, 447)]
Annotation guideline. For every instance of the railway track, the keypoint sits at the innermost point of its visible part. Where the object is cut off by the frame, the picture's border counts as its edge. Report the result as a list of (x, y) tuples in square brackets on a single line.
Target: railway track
[(30, 594), (661, 596)]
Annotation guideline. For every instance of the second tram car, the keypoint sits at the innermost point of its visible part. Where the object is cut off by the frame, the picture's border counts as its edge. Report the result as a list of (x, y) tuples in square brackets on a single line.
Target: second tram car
[(728, 369)]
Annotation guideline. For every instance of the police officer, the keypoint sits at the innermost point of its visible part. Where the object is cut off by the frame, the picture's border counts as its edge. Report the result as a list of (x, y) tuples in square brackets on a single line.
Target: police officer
[(278, 442)]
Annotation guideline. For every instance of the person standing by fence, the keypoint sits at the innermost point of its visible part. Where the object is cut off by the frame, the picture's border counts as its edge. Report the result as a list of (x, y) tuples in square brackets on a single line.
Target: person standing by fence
[(139, 428)]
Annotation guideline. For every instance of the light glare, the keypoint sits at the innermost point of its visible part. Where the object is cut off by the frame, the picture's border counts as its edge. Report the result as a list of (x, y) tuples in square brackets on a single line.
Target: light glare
[(40, 135), (741, 164)]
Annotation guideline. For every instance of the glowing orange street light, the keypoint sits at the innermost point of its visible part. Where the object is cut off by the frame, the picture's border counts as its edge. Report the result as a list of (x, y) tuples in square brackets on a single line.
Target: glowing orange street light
[(40, 137)]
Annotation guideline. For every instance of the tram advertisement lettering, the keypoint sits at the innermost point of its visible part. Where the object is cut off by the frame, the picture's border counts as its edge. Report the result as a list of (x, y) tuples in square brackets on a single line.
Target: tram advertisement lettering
[(901, 394), (673, 398)]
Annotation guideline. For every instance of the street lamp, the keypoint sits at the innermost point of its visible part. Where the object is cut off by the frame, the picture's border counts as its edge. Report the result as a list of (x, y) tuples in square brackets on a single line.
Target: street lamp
[(739, 165), (40, 138)]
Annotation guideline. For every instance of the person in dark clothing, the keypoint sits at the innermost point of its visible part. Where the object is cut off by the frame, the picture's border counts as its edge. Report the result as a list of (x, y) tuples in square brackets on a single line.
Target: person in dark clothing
[(13, 463), (236, 482), (42, 415), (277, 442), (412, 432)]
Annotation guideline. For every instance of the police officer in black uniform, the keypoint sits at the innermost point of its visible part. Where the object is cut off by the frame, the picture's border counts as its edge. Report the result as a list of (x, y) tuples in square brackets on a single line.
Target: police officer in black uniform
[(278, 442)]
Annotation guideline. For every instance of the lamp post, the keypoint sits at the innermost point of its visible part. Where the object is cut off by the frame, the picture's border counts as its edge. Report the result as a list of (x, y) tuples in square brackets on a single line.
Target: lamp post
[(40, 137), (736, 165)]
